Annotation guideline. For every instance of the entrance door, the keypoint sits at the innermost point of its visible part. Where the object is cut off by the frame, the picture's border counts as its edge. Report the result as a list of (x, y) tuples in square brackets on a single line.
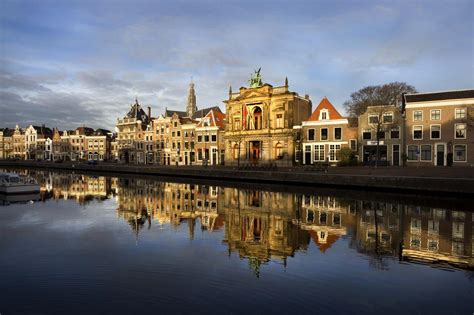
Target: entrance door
[(254, 151), (440, 149), (186, 158), (396, 155)]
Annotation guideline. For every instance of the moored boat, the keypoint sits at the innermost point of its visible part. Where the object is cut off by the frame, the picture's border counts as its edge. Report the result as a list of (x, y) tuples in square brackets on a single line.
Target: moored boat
[(11, 183)]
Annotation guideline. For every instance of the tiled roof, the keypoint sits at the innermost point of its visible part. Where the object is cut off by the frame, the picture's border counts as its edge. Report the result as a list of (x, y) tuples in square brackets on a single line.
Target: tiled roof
[(438, 96), (216, 119), (202, 112), (325, 104), (169, 113)]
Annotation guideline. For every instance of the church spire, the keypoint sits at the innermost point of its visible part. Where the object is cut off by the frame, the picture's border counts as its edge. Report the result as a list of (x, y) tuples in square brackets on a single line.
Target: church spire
[(191, 106), (286, 81)]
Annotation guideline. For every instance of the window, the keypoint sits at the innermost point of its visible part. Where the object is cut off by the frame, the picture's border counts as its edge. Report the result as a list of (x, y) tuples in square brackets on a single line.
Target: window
[(178, 133), (425, 152), (175, 124), (418, 115), (373, 119), (199, 138), (417, 132), (324, 115), (310, 134), (337, 133), (460, 131), (367, 135), (213, 138), (279, 120), (395, 133), (435, 114), (324, 133), (460, 153), (412, 153), (236, 124), (460, 113), (206, 138), (199, 154), (387, 118), (353, 144), (435, 131), (319, 153), (334, 152)]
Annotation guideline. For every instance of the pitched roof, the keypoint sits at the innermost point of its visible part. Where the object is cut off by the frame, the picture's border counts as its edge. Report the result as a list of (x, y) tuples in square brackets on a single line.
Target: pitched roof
[(170, 113), (325, 104), (136, 111), (216, 119), (323, 246), (84, 131), (7, 132), (438, 96), (202, 112), (101, 132)]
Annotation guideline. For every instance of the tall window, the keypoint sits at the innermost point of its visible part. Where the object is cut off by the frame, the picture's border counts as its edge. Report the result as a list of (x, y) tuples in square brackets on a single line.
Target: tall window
[(324, 133), (435, 131), (324, 115), (337, 133), (417, 132), (460, 131), (334, 152), (425, 152), (460, 153), (236, 124), (395, 133), (319, 153), (279, 151), (279, 120), (435, 114), (353, 143), (460, 113), (412, 152), (310, 134), (257, 118)]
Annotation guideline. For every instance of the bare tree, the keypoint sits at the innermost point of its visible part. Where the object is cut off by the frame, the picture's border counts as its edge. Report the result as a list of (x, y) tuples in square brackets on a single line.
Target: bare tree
[(386, 94)]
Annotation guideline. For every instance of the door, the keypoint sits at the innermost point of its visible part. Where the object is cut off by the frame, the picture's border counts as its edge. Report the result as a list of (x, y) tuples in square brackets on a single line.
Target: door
[(255, 151), (307, 155), (440, 154), (396, 155)]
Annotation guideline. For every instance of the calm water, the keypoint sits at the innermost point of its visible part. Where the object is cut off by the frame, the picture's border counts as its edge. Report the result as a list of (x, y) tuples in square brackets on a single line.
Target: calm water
[(95, 244)]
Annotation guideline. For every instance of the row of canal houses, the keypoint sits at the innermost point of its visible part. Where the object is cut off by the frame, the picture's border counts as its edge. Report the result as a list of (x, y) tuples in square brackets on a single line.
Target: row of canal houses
[(264, 124), (41, 143)]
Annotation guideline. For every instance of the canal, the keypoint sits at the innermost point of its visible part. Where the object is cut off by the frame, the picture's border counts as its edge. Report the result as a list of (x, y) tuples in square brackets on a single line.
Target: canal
[(95, 244)]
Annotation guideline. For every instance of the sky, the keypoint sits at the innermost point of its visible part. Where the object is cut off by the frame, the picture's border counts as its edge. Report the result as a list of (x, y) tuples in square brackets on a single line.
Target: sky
[(73, 63)]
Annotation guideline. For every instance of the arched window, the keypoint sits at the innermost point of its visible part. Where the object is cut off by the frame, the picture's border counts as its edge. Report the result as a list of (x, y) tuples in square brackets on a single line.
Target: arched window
[(257, 118)]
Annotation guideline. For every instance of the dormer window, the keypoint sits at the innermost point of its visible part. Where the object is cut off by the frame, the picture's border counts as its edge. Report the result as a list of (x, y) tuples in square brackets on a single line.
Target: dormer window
[(324, 114)]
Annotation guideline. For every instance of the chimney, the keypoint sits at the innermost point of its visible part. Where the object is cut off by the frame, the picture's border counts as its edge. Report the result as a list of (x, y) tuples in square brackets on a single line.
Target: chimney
[(149, 112), (306, 97)]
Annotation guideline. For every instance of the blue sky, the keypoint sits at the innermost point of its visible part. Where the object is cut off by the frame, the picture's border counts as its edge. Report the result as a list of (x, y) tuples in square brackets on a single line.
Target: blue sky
[(69, 63)]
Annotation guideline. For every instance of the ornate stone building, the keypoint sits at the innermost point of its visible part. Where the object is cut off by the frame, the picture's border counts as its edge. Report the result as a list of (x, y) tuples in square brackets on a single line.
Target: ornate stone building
[(131, 135), (260, 122)]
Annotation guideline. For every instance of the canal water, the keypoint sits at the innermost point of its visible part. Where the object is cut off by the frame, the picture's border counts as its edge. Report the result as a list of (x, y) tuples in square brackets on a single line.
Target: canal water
[(95, 244)]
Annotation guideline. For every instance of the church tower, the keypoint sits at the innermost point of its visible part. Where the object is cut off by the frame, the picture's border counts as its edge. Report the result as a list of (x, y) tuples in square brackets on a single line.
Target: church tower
[(191, 107)]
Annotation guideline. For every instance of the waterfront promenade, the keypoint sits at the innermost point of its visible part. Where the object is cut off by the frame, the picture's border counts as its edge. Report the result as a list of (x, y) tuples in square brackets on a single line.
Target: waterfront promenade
[(453, 180)]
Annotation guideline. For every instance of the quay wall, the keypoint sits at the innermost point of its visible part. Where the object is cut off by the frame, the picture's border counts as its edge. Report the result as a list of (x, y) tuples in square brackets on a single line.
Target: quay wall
[(299, 177)]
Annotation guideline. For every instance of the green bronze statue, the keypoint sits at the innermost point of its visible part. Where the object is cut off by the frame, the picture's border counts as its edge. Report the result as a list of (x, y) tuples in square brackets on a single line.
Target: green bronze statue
[(256, 79)]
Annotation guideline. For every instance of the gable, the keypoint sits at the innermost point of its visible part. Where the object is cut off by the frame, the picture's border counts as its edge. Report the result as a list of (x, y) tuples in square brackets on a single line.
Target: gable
[(325, 105)]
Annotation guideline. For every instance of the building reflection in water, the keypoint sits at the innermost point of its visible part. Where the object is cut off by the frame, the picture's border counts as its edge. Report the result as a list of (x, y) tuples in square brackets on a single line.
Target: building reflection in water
[(263, 226)]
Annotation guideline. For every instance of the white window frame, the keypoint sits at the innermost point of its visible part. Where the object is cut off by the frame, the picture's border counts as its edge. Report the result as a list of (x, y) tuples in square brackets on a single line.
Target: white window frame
[(393, 128), (460, 108), (324, 111), (465, 130), (321, 134), (431, 127), (387, 114), (335, 149), (417, 154), (415, 111), (372, 115), (413, 133), (431, 154), (465, 153), (367, 131), (317, 151), (314, 133), (431, 114)]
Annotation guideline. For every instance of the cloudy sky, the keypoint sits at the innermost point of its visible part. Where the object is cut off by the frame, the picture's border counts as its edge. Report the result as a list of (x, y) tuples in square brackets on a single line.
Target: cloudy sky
[(70, 63)]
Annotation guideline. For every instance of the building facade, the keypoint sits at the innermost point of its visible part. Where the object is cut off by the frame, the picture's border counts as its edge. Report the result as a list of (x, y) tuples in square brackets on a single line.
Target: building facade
[(439, 128), (382, 125), (210, 146), (323, 135), (260, 120)]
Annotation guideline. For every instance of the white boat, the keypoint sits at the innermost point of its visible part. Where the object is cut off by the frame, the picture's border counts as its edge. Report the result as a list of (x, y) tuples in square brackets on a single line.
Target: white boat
[(11, 183)]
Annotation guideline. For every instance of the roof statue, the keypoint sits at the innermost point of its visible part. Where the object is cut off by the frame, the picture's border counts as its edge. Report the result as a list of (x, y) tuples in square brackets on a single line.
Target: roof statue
[(256, 79)]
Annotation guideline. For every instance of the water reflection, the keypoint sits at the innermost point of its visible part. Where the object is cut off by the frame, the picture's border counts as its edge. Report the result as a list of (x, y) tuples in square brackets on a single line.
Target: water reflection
[(263, 226)]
